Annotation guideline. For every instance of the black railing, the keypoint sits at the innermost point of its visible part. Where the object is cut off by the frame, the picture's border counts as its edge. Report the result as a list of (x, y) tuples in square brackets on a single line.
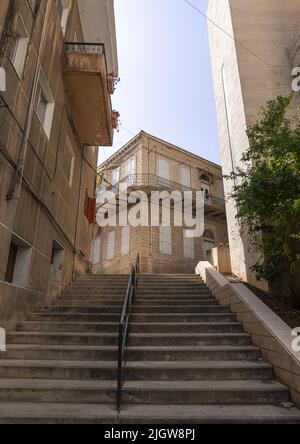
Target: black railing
[(124, 327)]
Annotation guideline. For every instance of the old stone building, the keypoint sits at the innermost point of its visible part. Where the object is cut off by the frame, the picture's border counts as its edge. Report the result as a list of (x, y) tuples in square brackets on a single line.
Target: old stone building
[(60, 61), (254, 48), (149, 164)]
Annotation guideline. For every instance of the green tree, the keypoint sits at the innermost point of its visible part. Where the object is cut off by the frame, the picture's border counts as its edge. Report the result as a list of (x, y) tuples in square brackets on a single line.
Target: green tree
[(267, 189)]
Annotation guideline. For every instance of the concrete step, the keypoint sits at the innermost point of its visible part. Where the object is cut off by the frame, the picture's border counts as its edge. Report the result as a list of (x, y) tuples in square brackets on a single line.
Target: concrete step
[(181, 309), (68, 327), (100, 293), (197, 370), (102, 310), (109, 353), (61, 352), (163, 371), (193, 353), (207, 414), (112, 327), (143, 392), (183, 317), (205, 392), (58, 391), (73, 317), (188, 339), (144, 302), (62, 338), (98, 302), (172, 291), (53, 413)]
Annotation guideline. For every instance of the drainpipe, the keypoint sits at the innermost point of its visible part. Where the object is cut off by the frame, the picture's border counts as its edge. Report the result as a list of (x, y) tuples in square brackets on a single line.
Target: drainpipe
[(15, 192)]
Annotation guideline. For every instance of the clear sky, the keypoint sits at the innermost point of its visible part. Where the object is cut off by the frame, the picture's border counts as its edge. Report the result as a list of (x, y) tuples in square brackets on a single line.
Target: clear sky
[(166, 83)]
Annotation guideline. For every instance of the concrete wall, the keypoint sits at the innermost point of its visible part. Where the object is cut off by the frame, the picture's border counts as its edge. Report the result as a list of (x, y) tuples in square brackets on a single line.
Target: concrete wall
[(267, 330), (243, 83)]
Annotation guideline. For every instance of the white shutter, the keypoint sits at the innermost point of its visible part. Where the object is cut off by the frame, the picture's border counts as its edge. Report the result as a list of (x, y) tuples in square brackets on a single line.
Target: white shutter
[(186, 177), (188, 247), (165, 240), (125, 241), (96, 251), (115, 176), (111, 245), (131, 170), (164, 169)]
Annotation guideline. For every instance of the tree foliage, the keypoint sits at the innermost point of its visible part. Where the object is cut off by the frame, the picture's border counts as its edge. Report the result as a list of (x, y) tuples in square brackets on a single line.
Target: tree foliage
[(267, 189)]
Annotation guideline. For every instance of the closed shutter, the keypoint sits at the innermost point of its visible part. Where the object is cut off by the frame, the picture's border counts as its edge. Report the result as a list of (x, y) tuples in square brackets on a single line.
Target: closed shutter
[(188, 247), (111, 245), (96, 251), (164, 171), (165, 240), (186, 177), (125, 241)]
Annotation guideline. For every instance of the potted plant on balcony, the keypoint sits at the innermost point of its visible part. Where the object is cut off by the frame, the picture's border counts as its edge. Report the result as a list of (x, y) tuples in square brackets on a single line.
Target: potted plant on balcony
[(112, 81), (115, 119)]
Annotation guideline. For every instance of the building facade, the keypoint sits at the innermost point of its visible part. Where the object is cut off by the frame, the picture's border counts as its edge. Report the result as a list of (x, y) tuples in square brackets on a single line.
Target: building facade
[(60, 64), (149, 164), (252, 59)]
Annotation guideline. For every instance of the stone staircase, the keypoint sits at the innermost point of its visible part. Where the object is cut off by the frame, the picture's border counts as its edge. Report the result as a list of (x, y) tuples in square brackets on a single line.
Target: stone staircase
[(188, 359)]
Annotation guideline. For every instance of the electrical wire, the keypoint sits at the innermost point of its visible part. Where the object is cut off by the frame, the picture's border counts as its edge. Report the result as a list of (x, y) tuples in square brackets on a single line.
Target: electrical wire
[(231, 36)]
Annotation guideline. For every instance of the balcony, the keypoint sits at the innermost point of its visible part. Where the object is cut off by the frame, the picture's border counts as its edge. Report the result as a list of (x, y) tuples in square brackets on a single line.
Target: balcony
[(213, 206), (86, 82)]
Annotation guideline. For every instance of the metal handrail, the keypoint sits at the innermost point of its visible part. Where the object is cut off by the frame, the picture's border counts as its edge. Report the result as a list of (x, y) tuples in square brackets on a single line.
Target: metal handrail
[(123, 326)]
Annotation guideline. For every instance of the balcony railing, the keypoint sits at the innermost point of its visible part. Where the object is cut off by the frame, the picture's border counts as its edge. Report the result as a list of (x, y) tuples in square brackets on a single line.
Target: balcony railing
[(159, 183), (85, 48)]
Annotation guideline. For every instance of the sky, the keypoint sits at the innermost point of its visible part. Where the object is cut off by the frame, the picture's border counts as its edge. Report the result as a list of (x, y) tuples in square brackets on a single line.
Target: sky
[(166, 84)]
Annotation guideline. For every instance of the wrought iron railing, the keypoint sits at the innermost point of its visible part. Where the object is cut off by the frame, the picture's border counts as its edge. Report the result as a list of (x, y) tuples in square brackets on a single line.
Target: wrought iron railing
[(84, 48), (124, 327), (160, 183)]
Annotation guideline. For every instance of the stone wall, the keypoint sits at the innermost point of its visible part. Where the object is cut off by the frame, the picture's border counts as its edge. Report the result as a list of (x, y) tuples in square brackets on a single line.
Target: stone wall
[(267, 330)]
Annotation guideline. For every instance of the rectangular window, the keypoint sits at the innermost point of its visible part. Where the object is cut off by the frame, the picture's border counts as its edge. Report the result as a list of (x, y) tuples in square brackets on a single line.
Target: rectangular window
[(68, 162), (188, 247), (125, 241), (60, 8), (41, 108), (44, 105), (63, 12), (165, 240), (19, 47), (111, 245), (18, 263)]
